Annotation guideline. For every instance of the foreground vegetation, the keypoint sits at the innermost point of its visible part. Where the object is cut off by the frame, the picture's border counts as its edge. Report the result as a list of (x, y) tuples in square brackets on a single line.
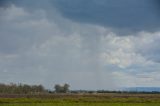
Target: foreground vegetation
[(37, 95), (110, 99), (82, 104)]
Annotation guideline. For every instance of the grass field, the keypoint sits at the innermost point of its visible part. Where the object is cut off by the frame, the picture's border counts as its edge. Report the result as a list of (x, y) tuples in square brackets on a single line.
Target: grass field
[(81, 100), (82, 104)]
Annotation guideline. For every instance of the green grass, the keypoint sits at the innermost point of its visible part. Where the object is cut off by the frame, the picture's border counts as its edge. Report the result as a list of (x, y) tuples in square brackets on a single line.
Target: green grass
[(81, 104), (81, 100)]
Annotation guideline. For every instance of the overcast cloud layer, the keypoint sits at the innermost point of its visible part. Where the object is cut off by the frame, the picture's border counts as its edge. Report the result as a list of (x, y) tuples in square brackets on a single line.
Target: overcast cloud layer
[(54, 43)]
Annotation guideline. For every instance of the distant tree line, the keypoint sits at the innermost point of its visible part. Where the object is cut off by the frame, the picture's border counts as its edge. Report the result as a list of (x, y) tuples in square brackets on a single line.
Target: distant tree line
[(39, 89), (31, 89), (21, 89), (109, 91)]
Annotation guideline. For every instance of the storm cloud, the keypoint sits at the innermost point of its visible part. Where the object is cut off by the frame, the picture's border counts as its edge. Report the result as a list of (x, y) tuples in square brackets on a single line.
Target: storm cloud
[(65, 42), (133, 15)]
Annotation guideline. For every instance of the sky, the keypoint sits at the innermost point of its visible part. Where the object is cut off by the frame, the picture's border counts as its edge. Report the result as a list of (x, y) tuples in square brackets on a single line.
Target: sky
[(89, 44)]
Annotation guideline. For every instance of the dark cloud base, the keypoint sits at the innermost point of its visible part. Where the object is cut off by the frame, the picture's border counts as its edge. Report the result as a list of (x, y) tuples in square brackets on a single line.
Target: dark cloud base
[(3, 3), (122, 14)]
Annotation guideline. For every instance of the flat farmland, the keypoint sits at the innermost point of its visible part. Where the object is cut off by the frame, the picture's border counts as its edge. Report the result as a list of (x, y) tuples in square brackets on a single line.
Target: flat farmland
[(108, 99)]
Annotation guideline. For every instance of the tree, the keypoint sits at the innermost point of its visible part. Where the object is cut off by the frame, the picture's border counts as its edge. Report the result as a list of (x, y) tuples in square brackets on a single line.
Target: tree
[(21, 89), (61, 88), (66, 88), (57, 88)]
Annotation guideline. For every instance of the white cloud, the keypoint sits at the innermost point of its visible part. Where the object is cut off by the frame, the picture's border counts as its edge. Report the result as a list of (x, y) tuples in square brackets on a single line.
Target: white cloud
[(129, 80), (122, 51), (33, 46)]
